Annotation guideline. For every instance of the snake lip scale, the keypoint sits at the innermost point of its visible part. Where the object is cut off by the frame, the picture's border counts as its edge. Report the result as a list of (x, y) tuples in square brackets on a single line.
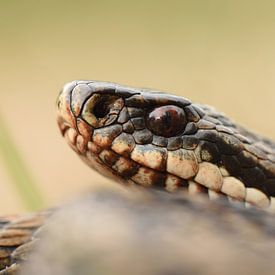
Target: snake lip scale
[(159, 140)]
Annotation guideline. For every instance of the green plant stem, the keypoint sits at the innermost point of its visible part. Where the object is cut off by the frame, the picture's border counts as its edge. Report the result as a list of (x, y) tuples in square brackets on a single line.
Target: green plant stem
[(18, 172)]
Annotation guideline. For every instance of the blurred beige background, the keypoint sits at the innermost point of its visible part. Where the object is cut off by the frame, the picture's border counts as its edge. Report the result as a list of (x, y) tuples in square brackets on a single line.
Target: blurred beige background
[(220, 53)]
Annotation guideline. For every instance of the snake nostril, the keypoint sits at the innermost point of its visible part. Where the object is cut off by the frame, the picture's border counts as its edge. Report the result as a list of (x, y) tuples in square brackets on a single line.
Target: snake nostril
[(102, 107), (101, 110)]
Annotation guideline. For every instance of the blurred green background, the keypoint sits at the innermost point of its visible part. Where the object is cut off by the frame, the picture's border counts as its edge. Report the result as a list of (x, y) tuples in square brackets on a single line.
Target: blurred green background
[(216, 52)]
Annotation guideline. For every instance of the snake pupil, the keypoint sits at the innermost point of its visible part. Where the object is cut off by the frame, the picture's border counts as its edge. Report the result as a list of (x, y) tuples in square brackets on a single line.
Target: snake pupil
[(166, 121)]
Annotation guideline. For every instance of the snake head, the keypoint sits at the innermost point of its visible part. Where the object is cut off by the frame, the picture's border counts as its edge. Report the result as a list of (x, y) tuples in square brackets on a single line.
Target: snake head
[(156, 139), (126, 132)]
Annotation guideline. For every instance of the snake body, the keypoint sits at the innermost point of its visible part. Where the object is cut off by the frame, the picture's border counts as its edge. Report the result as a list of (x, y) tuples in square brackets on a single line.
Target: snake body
[(155, 140), (164, 141), (17, 239)]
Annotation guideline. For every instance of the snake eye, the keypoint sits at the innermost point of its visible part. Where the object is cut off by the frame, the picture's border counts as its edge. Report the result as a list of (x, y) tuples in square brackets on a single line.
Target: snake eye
[(166, 121), (102, 110)]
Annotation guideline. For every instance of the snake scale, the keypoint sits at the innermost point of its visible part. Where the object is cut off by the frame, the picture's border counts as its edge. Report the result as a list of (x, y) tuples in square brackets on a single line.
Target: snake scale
[(155, 140)]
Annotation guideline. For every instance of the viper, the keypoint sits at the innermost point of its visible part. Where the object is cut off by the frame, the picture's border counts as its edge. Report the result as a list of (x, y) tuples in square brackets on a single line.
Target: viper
[(155, 140), (158, 140)]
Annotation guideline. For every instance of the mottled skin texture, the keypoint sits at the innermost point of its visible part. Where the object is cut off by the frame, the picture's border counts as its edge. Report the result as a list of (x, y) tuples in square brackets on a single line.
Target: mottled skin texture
[(125, 133)]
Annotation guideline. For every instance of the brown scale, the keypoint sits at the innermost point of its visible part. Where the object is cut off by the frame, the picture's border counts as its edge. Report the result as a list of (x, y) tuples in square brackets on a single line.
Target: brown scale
[(160, 141), (138, 123), (123, 116), (135, 112), (143, 136), (128, 127), (174, 143), (15, 234), (126, 168)]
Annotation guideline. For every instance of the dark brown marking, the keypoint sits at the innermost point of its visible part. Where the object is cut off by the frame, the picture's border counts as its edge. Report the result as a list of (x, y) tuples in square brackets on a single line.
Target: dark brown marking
[(246, 159), (228, 144), (254, 177), (270, 186), (231, 164)]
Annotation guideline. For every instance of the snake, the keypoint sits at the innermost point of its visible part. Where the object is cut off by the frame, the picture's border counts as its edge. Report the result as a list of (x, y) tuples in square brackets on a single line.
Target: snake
[(154, 140), (158, 140)]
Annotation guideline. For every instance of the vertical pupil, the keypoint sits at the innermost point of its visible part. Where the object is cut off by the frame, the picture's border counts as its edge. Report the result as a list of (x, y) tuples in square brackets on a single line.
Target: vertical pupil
[(168, 119)]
